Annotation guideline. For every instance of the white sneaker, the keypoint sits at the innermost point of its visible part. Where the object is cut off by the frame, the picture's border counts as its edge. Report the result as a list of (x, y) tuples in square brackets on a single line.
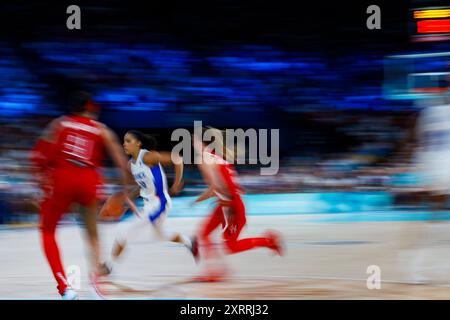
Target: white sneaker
[(70, 294)]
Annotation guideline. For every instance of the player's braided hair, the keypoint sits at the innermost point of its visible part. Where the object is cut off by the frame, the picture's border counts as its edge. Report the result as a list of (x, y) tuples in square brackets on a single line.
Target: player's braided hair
[(148, 141)]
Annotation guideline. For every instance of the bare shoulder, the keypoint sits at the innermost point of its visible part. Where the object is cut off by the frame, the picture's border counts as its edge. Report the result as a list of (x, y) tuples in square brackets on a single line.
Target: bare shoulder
[(99, 124), (152, 158)]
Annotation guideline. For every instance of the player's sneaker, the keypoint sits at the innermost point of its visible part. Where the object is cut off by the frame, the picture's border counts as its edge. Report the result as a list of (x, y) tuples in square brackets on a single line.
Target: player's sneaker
[(194, 249), (212, 276), (208, 278), (69, 294), (276, 242), (105, 269)]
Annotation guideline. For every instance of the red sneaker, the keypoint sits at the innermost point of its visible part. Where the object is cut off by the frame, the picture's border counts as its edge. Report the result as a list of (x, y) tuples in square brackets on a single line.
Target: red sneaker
[(208, 278), (276, 242), (212, 276)]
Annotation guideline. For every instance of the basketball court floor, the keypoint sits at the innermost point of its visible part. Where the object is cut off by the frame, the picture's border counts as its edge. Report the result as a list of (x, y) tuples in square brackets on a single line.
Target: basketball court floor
[(327, 257)]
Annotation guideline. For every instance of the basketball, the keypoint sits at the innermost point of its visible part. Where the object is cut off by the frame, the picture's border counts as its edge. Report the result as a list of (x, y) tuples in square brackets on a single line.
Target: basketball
[(114, 208)]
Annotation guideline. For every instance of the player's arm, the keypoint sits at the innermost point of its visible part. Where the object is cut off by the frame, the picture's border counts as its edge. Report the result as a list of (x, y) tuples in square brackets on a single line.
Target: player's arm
[(153, 158), (131, 189), (42, 152), (133, 192), (116, 153), (208, 193)]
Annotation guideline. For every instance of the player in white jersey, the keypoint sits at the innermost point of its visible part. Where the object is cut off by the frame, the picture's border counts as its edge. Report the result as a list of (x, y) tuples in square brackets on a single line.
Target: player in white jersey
[(433, 153), (432, 163), (146, 168)]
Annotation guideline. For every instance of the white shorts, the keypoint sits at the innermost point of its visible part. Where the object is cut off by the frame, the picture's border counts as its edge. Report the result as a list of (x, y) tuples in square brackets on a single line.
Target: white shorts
[(152, 213), (154, 210), (434, 168)]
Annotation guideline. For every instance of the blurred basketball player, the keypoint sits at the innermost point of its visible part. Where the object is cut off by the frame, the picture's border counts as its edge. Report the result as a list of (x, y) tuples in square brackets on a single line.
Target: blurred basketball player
[(433, 152), (67, 157), (431, 160), (229, 212), (146, 168)]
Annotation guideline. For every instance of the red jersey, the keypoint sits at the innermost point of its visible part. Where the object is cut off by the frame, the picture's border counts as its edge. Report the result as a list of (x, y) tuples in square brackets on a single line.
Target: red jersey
[(79, 141), (227, 176)]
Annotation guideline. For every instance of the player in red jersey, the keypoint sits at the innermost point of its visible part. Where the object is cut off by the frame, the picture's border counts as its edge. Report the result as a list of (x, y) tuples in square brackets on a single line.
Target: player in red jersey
[(66, 158), (229, 213)]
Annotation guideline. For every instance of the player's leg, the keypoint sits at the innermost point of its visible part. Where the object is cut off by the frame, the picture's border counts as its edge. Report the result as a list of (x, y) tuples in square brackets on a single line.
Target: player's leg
[(214, 266), (167, 234), (417, 246), (51, 212), (430, 230), (87, 186), (127, 232), (97, 267), (88, 215), (157, 217), (150, 218), (156, 213), (153, 215), (271, 240), (140, 224), (209, 225), (233, 230)]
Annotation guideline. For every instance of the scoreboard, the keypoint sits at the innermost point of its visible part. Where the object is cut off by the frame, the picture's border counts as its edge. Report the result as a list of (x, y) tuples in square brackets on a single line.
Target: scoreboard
[(430, 24)]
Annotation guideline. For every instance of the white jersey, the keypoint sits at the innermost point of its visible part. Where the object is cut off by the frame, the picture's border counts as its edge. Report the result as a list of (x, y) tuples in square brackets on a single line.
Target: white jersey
[(157, 203), (433, 154), (151, 180), (434, 129)]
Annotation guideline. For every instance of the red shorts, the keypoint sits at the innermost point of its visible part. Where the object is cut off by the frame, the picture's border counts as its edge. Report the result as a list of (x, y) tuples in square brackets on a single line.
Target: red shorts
[(69, 184), (231, 216)]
